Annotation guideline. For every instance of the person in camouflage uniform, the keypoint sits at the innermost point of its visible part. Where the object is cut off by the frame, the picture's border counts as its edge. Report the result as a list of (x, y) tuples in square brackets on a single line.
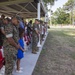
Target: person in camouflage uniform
[(35, 36), (41, 23), (11, 45), (46, 26)]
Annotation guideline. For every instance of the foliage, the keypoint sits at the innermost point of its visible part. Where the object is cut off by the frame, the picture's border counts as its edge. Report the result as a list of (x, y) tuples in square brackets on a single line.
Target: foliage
[(69, 6), (49, 1), (69, 3), (60, 17)]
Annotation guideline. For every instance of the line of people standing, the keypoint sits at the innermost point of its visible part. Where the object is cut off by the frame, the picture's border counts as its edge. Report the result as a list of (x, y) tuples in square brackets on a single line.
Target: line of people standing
[(13, 33)]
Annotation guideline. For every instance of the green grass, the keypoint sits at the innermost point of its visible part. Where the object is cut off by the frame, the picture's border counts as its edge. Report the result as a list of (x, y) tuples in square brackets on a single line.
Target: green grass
[(73, 56), (68, 35), (55, 49), (73, 74)]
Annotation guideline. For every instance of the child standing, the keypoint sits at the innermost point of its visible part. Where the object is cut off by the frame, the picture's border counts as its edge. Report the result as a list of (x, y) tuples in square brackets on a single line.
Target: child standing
[(20, 54)]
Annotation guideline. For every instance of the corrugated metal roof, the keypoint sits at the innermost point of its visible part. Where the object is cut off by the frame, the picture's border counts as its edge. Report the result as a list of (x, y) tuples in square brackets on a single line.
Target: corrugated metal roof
[(25, 8)]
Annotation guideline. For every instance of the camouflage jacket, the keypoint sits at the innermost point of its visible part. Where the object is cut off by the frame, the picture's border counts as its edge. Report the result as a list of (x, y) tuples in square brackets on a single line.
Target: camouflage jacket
[(11, 31)]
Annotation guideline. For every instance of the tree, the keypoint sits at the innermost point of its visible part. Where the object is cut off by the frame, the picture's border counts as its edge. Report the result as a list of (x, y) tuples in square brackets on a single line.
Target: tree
[(49, 3), (60, 17), (69, 6)]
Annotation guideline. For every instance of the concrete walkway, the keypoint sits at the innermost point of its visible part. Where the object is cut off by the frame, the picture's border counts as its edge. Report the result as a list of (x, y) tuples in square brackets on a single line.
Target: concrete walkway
[(29, 61)]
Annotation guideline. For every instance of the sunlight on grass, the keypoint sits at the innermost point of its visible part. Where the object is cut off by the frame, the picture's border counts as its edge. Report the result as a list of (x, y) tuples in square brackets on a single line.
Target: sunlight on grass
[(70, 34), (63, 31)]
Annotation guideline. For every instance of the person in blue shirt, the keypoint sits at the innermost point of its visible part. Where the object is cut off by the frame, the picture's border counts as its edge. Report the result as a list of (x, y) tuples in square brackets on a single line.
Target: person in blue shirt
[(21, 24), (20, 53)]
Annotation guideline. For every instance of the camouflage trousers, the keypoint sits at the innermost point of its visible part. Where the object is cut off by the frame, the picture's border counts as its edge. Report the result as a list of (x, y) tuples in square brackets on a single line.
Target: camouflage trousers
[(34, 43), (10, 58)]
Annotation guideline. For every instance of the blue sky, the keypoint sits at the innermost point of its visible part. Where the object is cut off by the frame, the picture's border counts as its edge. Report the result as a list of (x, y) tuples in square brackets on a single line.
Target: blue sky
[(58, 4)]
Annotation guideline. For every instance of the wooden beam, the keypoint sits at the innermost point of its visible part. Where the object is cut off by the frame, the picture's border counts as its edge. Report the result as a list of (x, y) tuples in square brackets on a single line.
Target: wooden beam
[(9, 9), (27, 16), (14, 2), (33, 6), (23, 8), (6, 14)]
